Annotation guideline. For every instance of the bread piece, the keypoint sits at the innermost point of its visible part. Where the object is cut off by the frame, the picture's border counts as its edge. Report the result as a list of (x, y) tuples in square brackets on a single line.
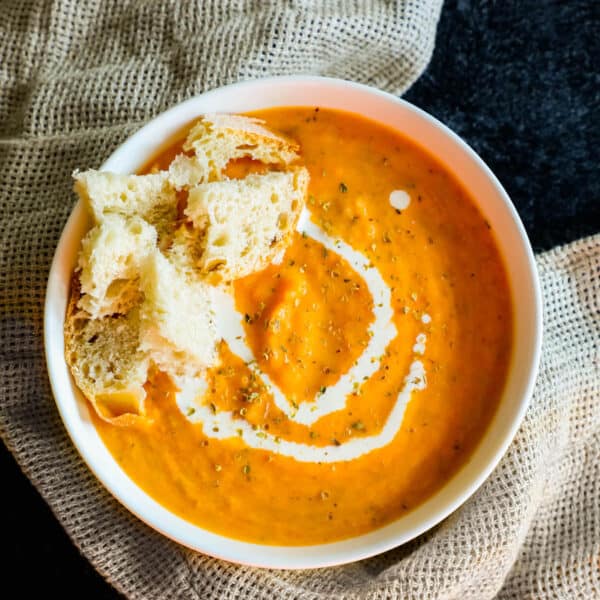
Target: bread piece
[(185, 251), (217, 139), (106, 362), (186, 171), (151, 197), (109, 261), (247, 222), (177, 320)]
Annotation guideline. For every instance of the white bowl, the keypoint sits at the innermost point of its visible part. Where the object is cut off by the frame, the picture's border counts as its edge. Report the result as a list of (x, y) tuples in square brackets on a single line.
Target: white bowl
[(492, 201)]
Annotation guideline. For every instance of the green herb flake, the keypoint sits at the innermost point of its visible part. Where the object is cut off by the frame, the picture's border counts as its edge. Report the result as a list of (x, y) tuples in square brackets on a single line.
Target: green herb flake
[(343, 187)]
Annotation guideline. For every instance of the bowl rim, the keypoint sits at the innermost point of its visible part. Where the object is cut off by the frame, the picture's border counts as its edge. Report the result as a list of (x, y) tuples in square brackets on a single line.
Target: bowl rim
[(289, 557)]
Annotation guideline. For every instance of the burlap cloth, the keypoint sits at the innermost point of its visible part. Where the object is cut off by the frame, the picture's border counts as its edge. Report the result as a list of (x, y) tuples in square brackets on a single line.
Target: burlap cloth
[(76, 78)]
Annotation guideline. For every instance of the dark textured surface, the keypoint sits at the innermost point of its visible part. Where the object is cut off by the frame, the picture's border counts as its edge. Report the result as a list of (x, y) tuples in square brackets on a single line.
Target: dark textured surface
[(519, 81)]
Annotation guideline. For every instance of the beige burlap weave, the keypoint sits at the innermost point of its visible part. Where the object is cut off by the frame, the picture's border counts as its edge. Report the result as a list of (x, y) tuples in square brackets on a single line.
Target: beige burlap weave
[(75, 79)]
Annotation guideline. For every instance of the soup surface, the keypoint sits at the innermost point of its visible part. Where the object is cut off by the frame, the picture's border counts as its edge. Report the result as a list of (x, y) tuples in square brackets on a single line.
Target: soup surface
[(366, 366)]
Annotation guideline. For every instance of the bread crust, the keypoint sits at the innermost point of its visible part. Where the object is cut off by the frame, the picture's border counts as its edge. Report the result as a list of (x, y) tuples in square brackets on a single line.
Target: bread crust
[(130, 396)]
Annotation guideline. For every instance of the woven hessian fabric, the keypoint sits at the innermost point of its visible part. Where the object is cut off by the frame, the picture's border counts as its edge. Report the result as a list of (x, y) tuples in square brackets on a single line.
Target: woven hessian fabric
[(76, 78)]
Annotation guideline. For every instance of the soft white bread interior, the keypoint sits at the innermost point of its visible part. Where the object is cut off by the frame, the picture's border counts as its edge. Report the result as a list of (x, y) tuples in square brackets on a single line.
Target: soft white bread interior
[(109, 262), (185, 250), (217, 139), (186, 171), (151, 197), (177, 319), (107, 363), (248, 222)]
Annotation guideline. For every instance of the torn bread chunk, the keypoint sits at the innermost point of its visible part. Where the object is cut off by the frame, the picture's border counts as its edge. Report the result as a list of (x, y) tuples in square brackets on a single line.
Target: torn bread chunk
[(107, 363), (178, 327), (185, 250), (217, 139), (151, 197), (186, 171), (247, 223), (109, 263)]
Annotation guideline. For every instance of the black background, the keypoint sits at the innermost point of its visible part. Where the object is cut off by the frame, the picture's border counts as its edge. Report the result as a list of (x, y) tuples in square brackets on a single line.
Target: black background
[(519, 81)]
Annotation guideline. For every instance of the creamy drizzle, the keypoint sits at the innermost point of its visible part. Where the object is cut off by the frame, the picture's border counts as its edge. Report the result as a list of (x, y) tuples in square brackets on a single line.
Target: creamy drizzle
[(419, 347), (399, 199), (225, 424), (382, 331)]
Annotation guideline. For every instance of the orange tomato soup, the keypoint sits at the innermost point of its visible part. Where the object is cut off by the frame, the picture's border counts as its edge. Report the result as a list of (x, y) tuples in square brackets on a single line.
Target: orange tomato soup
[(307, 321)]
